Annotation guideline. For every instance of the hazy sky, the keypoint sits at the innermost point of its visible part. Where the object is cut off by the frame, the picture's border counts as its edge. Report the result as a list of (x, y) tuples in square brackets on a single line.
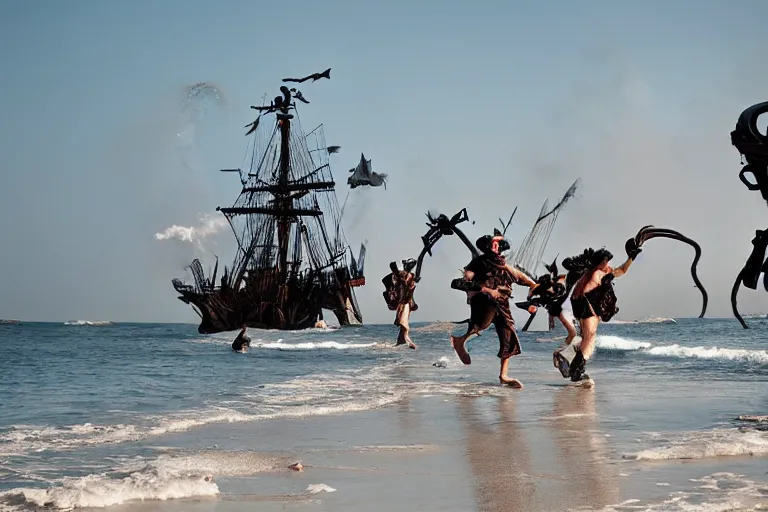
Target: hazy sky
[(488, 105)]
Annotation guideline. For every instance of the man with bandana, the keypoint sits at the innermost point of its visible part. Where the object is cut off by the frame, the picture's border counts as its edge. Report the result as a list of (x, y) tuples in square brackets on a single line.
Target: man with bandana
[(488, 281), (400, 286)]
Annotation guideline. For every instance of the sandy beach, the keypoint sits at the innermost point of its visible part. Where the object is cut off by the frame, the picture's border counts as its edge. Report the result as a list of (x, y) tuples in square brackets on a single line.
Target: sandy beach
[(488, 451)]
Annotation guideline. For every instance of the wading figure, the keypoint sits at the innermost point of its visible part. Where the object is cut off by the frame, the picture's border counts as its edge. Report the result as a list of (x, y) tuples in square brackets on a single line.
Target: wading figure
[(242, 341), (488, 280), (593, 298), (400, 286)]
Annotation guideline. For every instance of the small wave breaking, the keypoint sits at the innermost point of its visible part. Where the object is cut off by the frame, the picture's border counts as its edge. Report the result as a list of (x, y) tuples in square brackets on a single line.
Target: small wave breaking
[(617, 343), (607, 342), (105, 490), (707, 445), (89, 322)]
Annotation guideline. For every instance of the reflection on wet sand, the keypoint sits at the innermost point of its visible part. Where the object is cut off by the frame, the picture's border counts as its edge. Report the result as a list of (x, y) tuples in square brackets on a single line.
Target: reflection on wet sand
[(519, 466), (498, 454), (407, 418), (582, 451)]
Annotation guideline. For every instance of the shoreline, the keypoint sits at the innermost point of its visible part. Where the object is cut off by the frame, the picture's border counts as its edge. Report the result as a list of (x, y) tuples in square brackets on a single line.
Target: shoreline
[(463, 453)]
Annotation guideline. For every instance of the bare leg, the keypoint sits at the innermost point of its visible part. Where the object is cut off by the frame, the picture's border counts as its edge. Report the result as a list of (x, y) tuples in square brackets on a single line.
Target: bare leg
[(588, 334), (568, 327), (457, 342), (504, 379), (403, 315), (403, 337), (483, 311)]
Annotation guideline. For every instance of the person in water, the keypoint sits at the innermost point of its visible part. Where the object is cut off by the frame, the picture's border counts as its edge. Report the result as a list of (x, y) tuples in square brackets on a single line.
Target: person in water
[(400, 286), (488, 281), (593, 298), (242, 342)]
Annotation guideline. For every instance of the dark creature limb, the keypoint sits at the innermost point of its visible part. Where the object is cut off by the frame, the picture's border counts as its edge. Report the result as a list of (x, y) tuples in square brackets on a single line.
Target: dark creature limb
[(750, 274), (633, 247), (753, 146), (746, 137), (439, 226)]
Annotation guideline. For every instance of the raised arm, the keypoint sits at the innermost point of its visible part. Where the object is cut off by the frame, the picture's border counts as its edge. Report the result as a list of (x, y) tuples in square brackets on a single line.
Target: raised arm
[(622, 269)]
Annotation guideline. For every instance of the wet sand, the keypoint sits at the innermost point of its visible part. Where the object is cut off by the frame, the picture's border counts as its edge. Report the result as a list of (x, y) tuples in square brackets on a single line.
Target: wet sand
[(493, 450)]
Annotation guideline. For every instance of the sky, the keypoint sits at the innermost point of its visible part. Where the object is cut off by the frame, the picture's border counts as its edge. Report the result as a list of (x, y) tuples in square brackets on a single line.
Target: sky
[(483, 105)]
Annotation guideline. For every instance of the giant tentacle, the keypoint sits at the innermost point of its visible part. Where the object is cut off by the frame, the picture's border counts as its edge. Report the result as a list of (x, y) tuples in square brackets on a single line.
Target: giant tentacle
[(734, 294), (750, 274), (648, 232)]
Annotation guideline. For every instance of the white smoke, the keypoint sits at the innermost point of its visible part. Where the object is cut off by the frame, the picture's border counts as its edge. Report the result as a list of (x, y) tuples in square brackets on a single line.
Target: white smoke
[(208, 226)]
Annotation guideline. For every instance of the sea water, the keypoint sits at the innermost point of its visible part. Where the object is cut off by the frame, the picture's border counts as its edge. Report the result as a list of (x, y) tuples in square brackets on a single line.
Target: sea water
[(114, 415)]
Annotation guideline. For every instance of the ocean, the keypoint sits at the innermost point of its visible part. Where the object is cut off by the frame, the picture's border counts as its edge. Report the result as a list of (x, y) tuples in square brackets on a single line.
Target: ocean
[(144, 417)]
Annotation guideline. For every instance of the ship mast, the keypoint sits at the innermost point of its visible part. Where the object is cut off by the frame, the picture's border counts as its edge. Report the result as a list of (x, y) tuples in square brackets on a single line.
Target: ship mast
[(282, 189), (282, 195)]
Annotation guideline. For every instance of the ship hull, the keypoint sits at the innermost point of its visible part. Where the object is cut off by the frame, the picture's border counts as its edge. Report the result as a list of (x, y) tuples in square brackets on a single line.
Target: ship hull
[(292, 308)]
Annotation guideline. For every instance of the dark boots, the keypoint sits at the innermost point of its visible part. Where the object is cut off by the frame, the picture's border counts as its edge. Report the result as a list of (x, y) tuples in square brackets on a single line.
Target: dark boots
[(578, 365)]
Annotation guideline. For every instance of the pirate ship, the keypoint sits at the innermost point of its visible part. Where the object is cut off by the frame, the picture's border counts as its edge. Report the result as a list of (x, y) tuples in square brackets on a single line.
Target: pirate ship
[(292, 258)]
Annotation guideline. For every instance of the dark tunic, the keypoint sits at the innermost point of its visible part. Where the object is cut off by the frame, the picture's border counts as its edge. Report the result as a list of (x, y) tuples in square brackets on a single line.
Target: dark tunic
[(489, 270)]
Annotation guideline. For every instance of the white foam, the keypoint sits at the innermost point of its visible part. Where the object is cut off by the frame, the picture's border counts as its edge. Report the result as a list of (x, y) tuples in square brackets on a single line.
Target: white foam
[(105, 491), (89, 322), (616, 343), (178, 475), (730, 354), (719, 492), (309, 345), (219, 463), (657, 320), (608, 342), (707, 444), (316, 488)]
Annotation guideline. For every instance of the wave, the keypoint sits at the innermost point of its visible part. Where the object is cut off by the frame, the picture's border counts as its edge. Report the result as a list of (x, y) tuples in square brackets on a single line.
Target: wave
[(89, 322), (730, 354), (308, 395), (607, 342), (309, 345), (100, 491), (707, 445), (617, 343), (651, 320), (657, 320), (226, 338), (311, 395), (181, 475)]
